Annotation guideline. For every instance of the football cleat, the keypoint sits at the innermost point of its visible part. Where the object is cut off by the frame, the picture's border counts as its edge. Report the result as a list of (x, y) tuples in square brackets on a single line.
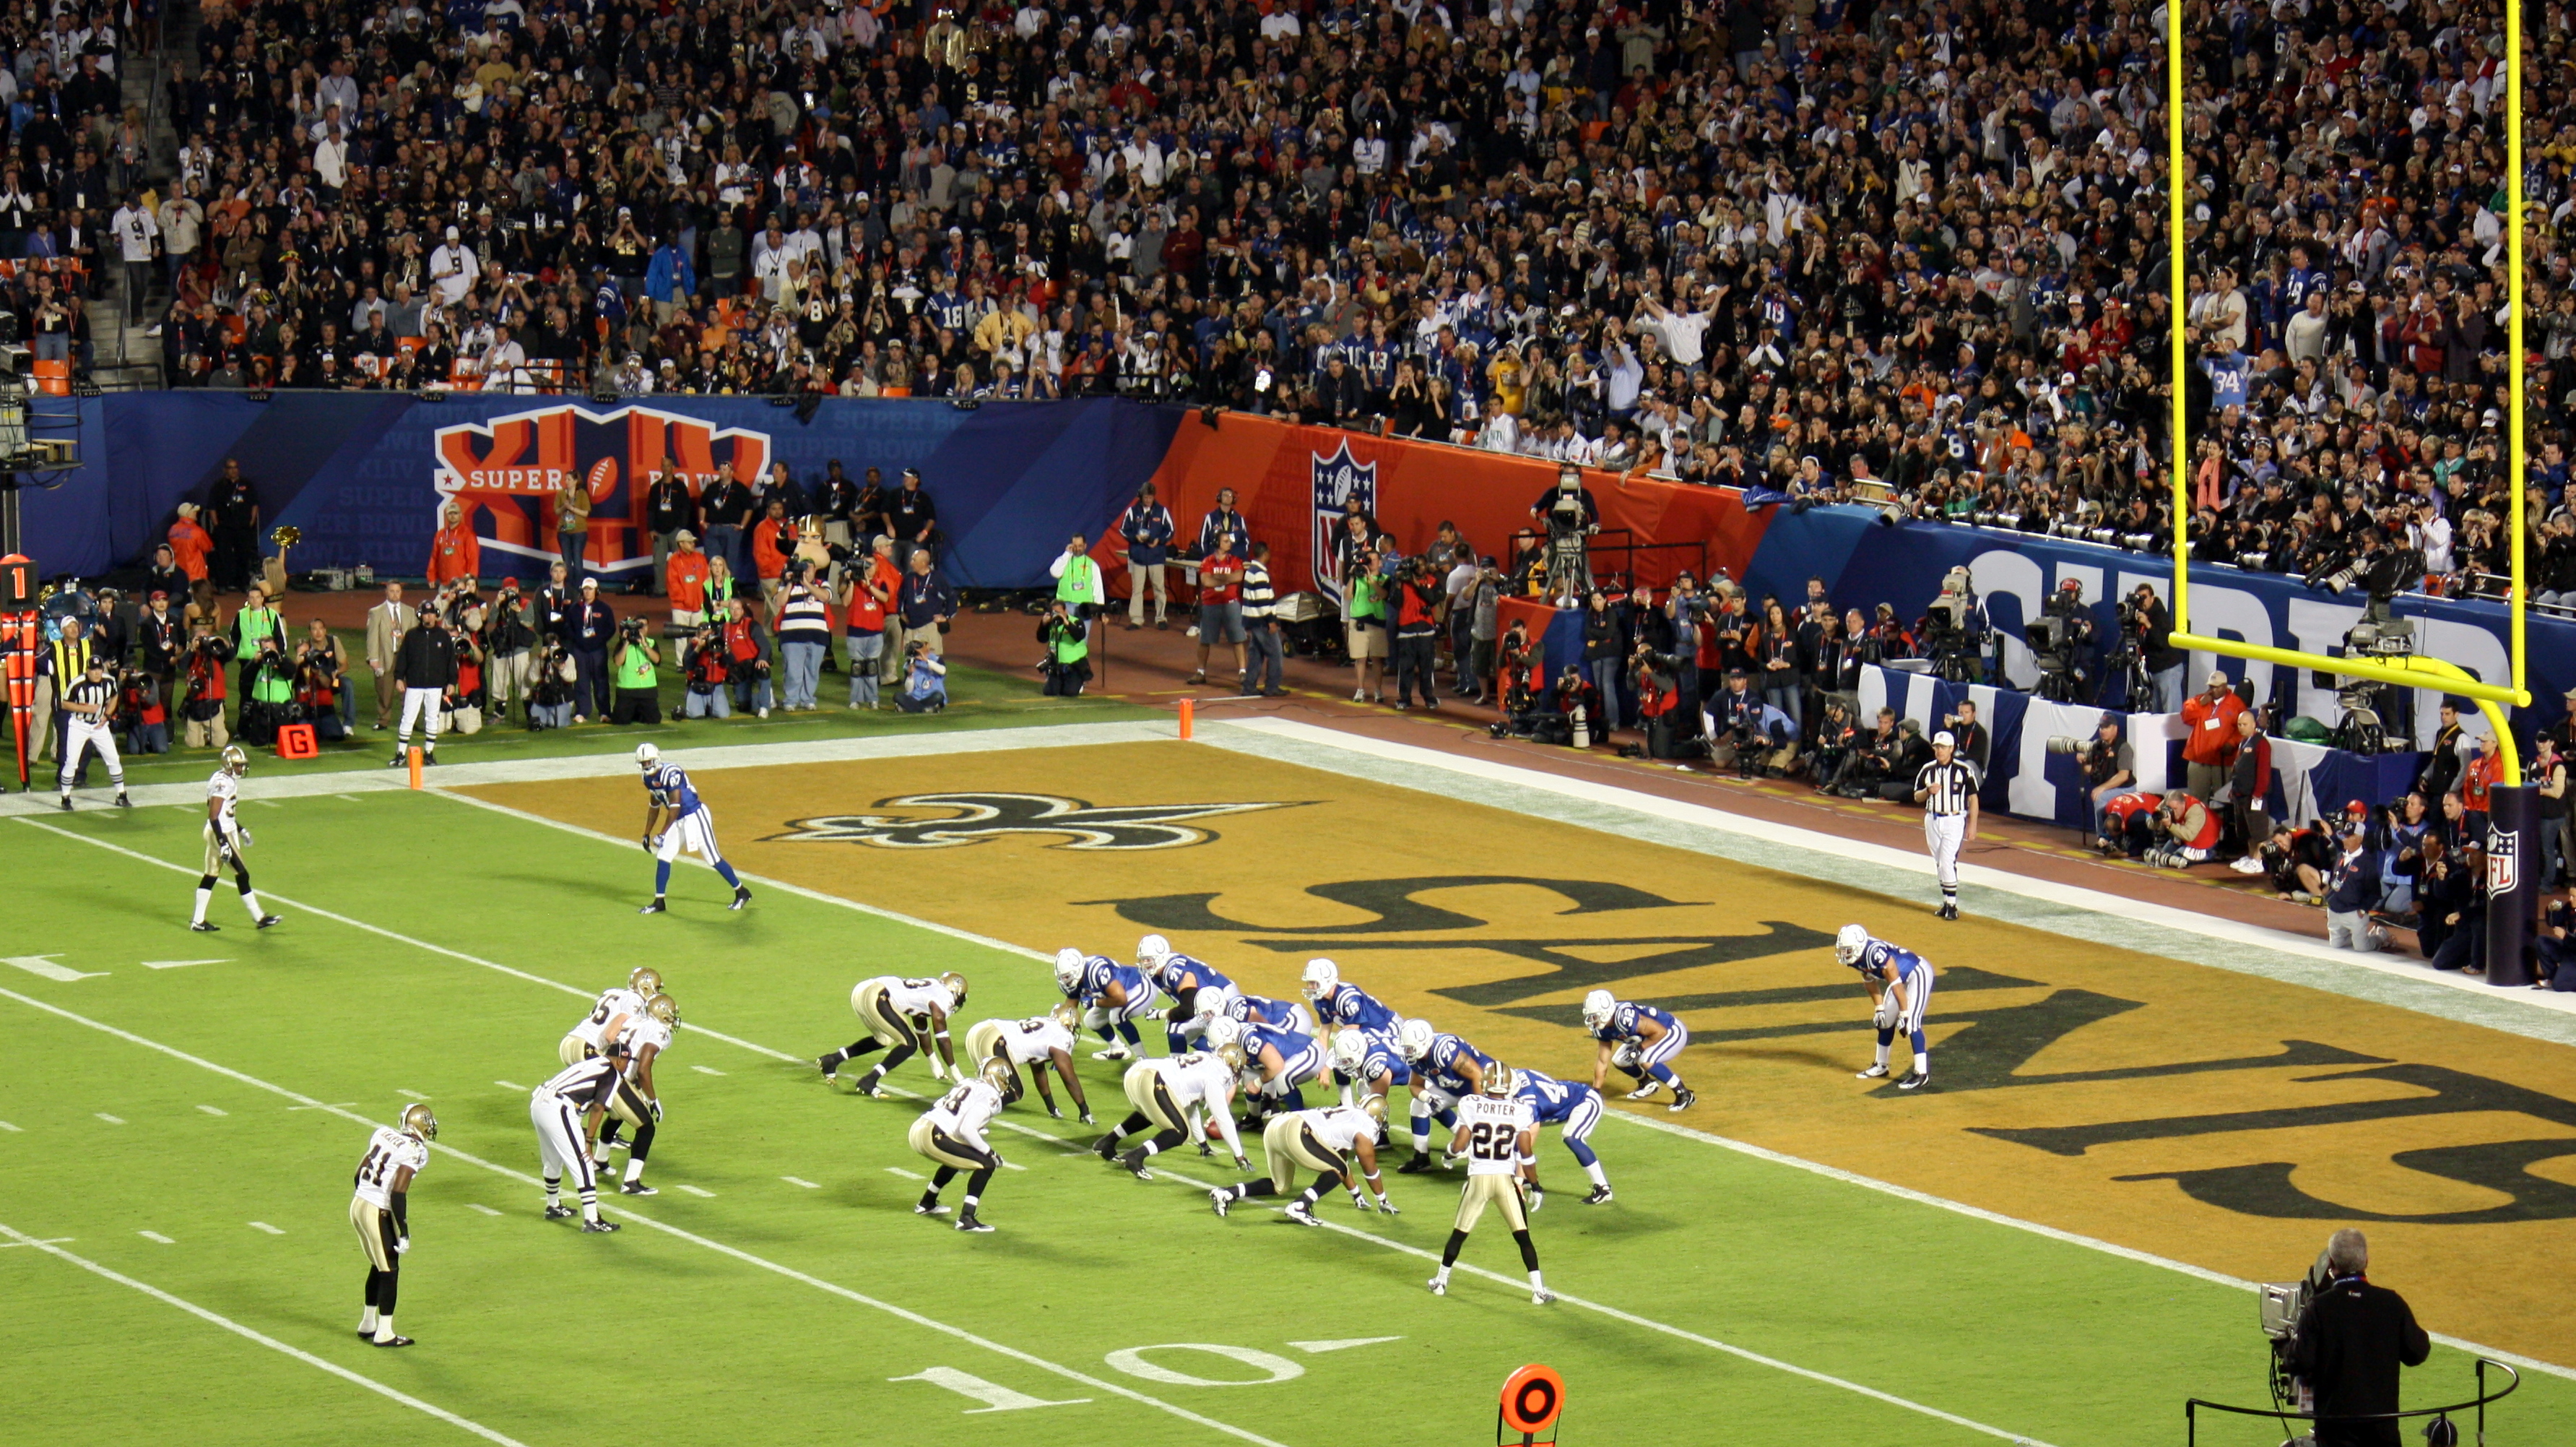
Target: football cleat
[(1218, 1201), (1683, 1099), (1439, 1287), (638, 1188), (1114, 1052), (268, 921), (656, 907), (929, 1208), (967, 1222), (1420, 1163), (1949, 910), (830, 1065), (67, 803), (1915, 1080), (390, 1341), (741, 897), (205, 928), (1600, 1197), (1298, 1212), (1106, 1147), (1541, 1298), (1645, 1091), (1875, 1072), (559, 1212), (1134, 1161), (598, 1227), (123, 802)]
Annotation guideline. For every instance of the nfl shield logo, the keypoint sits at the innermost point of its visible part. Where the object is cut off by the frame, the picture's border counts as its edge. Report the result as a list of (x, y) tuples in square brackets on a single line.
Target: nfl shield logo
[(1338, 479), (2504, 860)]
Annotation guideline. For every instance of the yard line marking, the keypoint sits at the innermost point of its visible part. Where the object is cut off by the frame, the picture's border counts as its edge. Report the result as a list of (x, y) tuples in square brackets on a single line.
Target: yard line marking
[(486, 1210), (1344, 1344), (103, 1115), (706, 1070), (264, 1226), (317, 1105), (48, 1241), (410, 1095), (180, 964), (907, 1175), (19, 1238), (800, 1181), (11, 1129), (694, 1191), (736, 1253), (2514, 1359), (509, 1085), (156, 1236), (265, 803), (351, 798), (1013, 1166), (44, 964), (210, 1110)]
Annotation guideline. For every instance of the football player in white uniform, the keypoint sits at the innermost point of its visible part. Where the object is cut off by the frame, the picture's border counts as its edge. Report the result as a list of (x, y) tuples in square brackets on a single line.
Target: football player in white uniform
[(1315, 1140), (1037, 1042), (645, 1036), (1498, 1134), (904, 1016), (1172, 1094), (607, 1019), (380, 1214), (951, 1136), (227, 841)]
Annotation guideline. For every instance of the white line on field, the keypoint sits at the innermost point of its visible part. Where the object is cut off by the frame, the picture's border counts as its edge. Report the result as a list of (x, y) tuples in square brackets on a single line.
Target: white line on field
[(486, 1210), (11, 1129), (343, 1105), (264, 1226), (694, 1191), (1013, 1166), (411, 1095), (706, 1070), (156, 1236), (800, 1181), (349, 798), (907, 1175), (48, 1241), (736, 1253), (210, 1110), (509, 1085), (103, 1115), (18, 1238)]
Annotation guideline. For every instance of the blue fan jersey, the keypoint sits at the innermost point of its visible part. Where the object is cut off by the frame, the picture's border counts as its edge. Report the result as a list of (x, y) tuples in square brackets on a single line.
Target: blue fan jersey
[(1883, 962), (1348, 1004), (1553, 1099), (1180, 971), (1440, 1064), (1624, 1021), (1099, 971), (669, 788)]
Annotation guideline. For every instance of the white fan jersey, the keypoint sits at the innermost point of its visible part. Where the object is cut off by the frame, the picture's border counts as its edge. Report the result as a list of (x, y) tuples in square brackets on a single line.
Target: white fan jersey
[(964, 1111), (388, 1151), (1338, 1127), (225, 791), (614, 1005), (1029, 1042), (1493, 1130)]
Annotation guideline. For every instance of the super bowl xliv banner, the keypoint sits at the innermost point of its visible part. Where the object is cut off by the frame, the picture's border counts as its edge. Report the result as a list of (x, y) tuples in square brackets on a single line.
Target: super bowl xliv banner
[(506, 471)]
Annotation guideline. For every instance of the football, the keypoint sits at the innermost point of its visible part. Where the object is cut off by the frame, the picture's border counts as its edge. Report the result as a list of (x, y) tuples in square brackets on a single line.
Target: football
[(603, 477)]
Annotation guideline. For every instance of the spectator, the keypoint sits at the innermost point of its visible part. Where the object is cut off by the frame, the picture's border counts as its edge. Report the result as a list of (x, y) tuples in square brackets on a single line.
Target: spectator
[(589, 628), (924, 605), (190, 546), (1265, 650), (1220, 579), (669, 513), (772, 540), (684, 580), (2549, 771), (1605, 655), (2249, 788), (725, 506), (233, 503), (454, 552), (913, 519), (1147, 528), (2210, 735), (2441, 772), (802, 617), (570, 504), (1224, 521)]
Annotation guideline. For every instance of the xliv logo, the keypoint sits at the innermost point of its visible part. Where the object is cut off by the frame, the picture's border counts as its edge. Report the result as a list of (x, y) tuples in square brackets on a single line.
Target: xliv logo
[(979, 817)]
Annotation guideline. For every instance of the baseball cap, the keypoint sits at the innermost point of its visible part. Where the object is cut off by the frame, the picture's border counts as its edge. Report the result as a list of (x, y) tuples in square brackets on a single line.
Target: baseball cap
[(2218, 676), (510, 582), (1945, 739), (2356, 807), (590, 582), (160, 596)]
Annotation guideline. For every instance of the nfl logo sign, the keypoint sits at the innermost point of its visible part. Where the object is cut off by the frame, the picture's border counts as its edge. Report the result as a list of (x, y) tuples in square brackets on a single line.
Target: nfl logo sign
[(2504, 860), (1338, 479)]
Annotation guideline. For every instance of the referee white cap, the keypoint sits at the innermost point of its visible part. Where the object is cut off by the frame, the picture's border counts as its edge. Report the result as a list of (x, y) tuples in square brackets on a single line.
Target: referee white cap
[(1944, 740)]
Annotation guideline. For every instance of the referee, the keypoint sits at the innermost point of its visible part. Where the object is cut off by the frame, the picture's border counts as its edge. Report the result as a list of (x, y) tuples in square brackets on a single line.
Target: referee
[(1947, 790), (87, 703)]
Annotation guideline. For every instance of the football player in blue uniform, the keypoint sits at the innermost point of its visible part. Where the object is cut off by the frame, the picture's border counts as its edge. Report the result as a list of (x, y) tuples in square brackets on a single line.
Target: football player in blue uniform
[(1112, 996), (1285, 1060), (688, 825), (1574, 1109), (1446, 1070), (1338, 1003), (1180, 977), (1638, 1041), (1900, 985)]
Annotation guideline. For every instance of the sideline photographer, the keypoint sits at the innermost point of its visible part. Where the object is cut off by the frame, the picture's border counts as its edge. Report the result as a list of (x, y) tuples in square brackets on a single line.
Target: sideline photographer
[(2351, 1339), (1067, 640), (2110, 766), (635, 662), (2147, 625)]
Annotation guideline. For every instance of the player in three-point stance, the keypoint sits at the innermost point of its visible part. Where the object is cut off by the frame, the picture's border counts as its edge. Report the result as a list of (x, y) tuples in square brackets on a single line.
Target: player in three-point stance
[(567, 1112), (1112, 996), (1638, 1041), (951, 1136), (1498, 1133), (1315, 1140), (1037, 1042), (1900, 985), (227, 841), (675, 818), (1171, 1095), (1947, 790), (1446, 1070), (643, 1036), (607, 1019), (86, 705), (1574, 1109), (1283, 1061), (904, 1017), (381, 1214), (1182, 978)]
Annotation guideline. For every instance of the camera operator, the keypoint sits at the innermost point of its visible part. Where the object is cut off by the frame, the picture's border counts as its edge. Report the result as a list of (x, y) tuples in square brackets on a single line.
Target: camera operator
[(272, 692), (509, 650), (1571, 518), (635, 661), (202, 664), (2187, 831), (142, 712), (1417, 598), (706, 667), (1655, 678), (2295, 861), (1067, 640), (550, 686), (747, 655), (2149, 624), (1972, 738), (1953, 630), (2351, 1340), (1512, 671), (2066, 647), (1832, 746), (2110, 767), (1729, 716), (321, 682)]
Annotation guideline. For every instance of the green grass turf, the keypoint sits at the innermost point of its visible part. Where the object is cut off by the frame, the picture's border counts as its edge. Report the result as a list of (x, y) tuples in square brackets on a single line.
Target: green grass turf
[(978, 698), (548, 1336)]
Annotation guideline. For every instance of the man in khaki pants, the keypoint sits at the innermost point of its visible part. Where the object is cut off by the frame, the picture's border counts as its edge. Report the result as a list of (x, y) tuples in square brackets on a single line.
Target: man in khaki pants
[(387, 622)]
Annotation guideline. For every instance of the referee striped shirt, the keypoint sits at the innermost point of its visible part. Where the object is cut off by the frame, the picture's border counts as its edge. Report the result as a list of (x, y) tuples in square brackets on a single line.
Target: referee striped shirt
[(99, 693), (1950, 786)]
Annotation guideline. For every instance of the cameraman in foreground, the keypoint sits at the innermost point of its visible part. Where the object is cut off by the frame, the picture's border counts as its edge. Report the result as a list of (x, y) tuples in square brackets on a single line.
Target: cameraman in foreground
[(635, 663), (2351, 1339)]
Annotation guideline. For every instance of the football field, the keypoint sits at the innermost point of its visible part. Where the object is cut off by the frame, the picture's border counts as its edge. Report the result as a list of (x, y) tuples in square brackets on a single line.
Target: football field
[(2126, 1123)]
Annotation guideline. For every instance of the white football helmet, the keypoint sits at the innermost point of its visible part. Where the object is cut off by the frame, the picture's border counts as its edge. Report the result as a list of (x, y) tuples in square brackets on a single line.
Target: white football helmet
[(1151, 951), (1413, 1039), (1221, 1032), (1216, 1002), (647, 755), (1350, 1052), (1598, 1007), (1068, 968), (1322, 977), (1849, 942)]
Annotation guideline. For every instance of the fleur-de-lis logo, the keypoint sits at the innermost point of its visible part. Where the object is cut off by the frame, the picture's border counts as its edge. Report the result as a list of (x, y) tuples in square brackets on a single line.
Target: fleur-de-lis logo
[(975, 818)]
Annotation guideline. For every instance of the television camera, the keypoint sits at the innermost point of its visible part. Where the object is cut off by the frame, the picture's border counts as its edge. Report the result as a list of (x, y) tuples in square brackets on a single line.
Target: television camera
[(1955, 628), (1569, 530), (2061, 639)]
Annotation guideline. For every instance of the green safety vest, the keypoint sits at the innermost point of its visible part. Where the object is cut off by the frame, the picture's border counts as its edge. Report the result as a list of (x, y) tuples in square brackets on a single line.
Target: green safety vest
[(253, 624), (1072, 645), (635, 668), (1368, 597), (1080, 583)]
